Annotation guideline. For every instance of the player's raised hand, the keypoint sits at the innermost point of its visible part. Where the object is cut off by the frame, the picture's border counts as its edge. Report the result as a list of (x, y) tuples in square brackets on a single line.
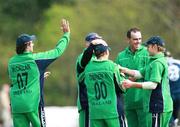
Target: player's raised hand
[(99, 41), (65, 25)]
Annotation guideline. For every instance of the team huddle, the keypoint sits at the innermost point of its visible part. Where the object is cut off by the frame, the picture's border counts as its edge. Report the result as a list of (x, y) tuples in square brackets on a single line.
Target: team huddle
[(131, 91), (134, 87)]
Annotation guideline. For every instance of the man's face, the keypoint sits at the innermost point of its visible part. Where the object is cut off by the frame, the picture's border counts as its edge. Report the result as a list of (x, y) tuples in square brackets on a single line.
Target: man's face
[(135, 40)]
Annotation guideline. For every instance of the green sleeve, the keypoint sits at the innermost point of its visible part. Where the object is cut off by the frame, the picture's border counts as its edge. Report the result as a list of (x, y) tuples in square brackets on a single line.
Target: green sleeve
[(142, 71), (57, 51), (156, 72), (119, 78)]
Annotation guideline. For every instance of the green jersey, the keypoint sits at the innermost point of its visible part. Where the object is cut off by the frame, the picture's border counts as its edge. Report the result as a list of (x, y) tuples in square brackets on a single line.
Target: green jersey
[(133, 98), (159, 99), (102, 80), (26, 72)]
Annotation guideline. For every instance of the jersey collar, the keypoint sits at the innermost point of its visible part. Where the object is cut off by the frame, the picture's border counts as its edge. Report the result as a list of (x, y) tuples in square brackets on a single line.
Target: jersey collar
[(159, 55), (128, 50)]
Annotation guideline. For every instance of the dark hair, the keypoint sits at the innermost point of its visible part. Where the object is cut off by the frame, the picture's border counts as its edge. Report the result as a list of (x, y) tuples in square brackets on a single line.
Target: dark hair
[(135, 29), (21, 48), (98, 54), (161, 48)]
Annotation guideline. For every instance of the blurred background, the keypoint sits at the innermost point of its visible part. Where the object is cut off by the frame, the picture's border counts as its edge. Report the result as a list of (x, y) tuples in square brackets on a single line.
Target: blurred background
[(109, 18)]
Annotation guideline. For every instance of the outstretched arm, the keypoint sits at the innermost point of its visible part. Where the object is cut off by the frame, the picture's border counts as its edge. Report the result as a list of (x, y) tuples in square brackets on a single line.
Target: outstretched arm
[(87, 55), (142, 85), (48, 57), (134, 73)]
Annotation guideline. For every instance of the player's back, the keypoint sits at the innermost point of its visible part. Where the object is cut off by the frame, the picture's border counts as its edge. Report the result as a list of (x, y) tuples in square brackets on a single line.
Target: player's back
[(99, 80), (24, 76)]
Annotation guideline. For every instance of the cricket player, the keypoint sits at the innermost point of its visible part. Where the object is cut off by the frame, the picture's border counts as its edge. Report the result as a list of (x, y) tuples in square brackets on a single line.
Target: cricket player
[(103, 83), (135, 56), (26, 72), (81, 63), (156, 83)]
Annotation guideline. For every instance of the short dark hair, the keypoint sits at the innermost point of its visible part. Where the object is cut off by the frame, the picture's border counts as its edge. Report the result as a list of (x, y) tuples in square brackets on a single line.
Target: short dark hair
[(21, 48), (135, 29), (98, 54)]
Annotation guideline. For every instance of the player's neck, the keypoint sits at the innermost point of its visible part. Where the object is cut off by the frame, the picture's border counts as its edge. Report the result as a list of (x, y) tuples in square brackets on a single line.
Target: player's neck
[(104, 57)]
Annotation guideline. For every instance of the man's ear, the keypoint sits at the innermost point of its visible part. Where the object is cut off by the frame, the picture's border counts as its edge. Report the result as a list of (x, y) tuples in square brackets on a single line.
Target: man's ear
[(155, 46), (106, 52), (127, 40)]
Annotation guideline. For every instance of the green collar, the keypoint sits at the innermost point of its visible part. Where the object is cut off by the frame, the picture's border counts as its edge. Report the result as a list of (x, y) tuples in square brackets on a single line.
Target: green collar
[(159, 55), (128, 50), (25, 53)]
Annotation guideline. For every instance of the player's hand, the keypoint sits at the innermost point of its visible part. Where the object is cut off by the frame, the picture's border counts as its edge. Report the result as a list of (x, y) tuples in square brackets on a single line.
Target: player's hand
[(99, 41), (46, 74), (132, 78), (127, 84), (65, 25)]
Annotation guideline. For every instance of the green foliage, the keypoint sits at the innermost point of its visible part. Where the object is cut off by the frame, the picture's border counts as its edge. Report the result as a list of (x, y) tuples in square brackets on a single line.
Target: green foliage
[(111, 19), (21, 9), (28, 10)]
